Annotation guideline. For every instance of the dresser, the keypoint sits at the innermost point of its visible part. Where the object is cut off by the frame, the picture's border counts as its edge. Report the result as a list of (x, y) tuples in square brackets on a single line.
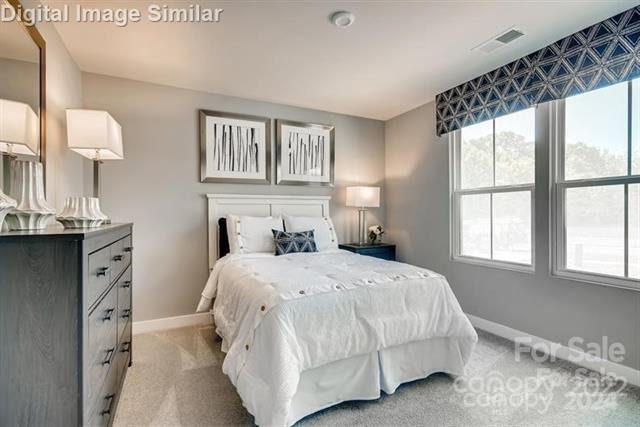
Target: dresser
[(378, 250), (65, 324)]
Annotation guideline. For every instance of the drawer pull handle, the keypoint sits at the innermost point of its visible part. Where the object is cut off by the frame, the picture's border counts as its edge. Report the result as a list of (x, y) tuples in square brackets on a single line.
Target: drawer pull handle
[(128, 249), (126, 284), (118, 258), (110, 398), (107, 360), (107, 314), (126, 347), (126, 313), (102, 271)]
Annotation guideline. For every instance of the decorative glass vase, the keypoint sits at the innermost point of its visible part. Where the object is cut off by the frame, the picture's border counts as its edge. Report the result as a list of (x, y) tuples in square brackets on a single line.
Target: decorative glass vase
[(27, 187)]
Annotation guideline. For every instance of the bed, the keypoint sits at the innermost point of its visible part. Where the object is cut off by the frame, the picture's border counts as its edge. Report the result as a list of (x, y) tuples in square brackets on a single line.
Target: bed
[(306, 331)]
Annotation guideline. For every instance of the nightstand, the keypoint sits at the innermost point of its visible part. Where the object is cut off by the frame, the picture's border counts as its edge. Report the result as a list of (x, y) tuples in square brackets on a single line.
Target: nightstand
[(379, 250)]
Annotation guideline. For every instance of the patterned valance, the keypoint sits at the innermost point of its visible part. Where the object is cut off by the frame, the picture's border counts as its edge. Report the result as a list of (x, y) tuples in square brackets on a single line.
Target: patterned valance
[(598, 56)]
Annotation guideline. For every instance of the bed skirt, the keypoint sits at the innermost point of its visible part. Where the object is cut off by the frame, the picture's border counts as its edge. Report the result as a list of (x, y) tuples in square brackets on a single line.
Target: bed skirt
[(363, 377)]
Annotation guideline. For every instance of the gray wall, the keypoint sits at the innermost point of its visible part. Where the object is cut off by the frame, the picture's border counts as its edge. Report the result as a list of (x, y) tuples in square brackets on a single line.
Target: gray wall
[(417, 213), (157, 185), (20, 81)]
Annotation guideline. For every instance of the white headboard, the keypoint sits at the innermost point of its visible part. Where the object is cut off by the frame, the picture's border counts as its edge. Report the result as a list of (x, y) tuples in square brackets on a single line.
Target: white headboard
[(258, 205)]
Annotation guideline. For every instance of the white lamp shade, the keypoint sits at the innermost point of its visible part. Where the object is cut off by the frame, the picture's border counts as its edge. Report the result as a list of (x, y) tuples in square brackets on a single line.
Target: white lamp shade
[(18, 128), (94, 134), (363, 197)]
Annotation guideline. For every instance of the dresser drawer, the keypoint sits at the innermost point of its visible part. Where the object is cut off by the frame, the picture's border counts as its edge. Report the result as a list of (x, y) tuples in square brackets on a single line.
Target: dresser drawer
[(103, 406), (102, 328), (99, 273), (124, 351), (124, 301), (120, 256), (98, 370)]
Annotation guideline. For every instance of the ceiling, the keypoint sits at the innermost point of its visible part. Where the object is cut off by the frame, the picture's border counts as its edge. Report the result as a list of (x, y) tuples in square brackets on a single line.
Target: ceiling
[(396, 56)]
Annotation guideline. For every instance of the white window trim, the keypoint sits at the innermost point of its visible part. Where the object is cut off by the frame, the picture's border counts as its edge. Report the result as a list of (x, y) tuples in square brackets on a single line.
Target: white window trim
[(455, 192), (557, 213)]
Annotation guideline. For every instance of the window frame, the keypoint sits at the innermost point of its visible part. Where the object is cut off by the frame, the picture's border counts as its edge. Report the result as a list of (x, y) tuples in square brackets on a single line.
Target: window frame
[(455, 219), (559, 184)]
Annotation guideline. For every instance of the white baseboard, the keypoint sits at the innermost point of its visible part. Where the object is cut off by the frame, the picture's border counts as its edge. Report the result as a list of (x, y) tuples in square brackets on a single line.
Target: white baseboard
[(632, 376), (170, 323)]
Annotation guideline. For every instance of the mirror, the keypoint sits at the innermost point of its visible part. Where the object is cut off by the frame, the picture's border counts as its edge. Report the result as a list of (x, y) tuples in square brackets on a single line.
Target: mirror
[(22, 105)]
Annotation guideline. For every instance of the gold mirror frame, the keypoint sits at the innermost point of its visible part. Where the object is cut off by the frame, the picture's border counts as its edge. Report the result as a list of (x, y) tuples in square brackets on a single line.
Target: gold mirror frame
[(37, 38)]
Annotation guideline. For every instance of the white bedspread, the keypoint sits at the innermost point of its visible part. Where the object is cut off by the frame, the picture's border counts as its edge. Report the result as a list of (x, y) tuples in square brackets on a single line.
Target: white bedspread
[(279, 316)]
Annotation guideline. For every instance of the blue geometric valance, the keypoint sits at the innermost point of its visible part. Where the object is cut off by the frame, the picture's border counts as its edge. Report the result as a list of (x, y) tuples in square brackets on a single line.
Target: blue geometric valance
[(598, 56)]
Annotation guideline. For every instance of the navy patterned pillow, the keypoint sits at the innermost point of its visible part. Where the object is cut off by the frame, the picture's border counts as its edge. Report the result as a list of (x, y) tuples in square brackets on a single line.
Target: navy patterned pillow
[(292, 242)]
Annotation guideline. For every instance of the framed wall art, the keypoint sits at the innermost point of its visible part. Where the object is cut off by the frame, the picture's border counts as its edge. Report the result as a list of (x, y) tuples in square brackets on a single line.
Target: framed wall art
[(305, 153), (234, 148)]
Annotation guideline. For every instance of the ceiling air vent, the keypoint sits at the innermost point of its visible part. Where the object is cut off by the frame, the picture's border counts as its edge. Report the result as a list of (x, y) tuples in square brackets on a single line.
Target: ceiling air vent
[(500, 40)]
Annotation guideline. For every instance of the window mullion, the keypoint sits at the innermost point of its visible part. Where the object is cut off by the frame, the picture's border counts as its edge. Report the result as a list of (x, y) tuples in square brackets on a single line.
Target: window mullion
[(626, 230), (457, 224), (494, 152), (502, 189), (596, 182), (491, 194), (559, 175), (562, 213), (491, 224), (532, 218), (559, 148), (458, 160), (630, 129), (629, 172)]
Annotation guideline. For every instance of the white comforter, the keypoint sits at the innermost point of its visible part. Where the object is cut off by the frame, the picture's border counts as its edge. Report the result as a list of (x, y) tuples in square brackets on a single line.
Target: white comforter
[(279, 316)]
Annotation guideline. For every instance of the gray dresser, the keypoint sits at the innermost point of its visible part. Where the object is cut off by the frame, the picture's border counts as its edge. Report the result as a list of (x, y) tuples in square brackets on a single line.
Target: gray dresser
[(65, 324)]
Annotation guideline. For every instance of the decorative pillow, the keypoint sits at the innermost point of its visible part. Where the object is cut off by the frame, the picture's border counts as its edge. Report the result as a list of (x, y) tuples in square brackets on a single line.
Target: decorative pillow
[(322, 226), (249, 234), (293, 242)]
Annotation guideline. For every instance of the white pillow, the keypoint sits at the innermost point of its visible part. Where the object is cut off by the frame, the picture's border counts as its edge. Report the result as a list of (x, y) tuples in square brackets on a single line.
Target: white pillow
[(249, 234), (323, 230)]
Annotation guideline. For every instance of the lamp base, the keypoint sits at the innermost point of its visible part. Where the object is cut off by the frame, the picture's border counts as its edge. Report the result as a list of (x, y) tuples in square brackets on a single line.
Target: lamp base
[(6, 205), (27, 186), (362, 226), (82, 212), (20, 219)]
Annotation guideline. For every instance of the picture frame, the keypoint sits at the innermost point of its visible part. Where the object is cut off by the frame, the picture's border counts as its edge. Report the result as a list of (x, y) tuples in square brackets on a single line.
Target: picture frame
[(234, 148), (305, 153)]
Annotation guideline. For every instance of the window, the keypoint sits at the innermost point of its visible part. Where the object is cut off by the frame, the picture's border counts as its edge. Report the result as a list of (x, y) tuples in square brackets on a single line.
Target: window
[(596, 185), (493, 170)]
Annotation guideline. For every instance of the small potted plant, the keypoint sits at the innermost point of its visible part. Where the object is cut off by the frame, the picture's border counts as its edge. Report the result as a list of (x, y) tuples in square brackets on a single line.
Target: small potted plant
[(375, 234)]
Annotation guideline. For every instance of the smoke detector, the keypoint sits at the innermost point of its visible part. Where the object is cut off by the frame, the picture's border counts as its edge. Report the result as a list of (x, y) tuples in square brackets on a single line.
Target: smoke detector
[(342, 19), (500, 40)]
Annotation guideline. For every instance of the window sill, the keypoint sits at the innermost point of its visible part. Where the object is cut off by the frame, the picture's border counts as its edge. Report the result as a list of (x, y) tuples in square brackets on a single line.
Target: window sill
[(502, 265), (597, 279)]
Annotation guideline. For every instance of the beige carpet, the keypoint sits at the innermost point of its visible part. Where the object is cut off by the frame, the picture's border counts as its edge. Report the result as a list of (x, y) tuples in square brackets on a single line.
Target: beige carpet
[(176, 380)]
